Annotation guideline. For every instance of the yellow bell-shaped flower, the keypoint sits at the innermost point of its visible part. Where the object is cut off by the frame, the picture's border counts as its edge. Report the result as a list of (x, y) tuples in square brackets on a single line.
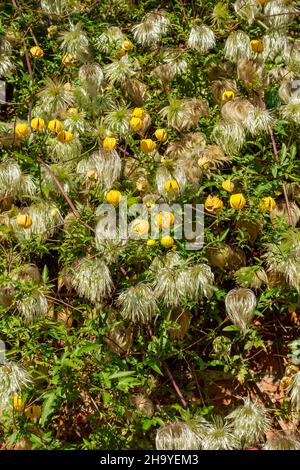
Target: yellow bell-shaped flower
[(33, 412), (257, 45), (36, 52), (147, 145), (72, 111), (55, 126), (228, 185), (68, 59), (161, 134), (22, 129), (113, 197), (228, 95), (151, 242), (65, 137), (127, 45), (167, 241), (171, 186), (237, 201), (138, 112), (24, 220), (136, 123), (213, 204), (37, 124), (109, 143), (18, 403), (267, 203), (122, 52)]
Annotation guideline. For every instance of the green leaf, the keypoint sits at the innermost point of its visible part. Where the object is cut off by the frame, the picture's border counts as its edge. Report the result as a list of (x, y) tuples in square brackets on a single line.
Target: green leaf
[(48, 407), (121, 374), (155, 367), (85, 349), (231, 328), (45, 274)]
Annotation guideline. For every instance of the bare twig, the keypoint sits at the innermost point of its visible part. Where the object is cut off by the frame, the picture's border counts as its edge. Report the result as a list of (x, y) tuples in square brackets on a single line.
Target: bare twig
[(170, 375), (74, 209)]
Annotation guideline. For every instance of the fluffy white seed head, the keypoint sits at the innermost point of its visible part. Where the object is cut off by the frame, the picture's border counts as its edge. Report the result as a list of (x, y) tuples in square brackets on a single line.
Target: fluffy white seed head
[(259, 121), (92, 279), (283, 440), (229, 136), (237, 46), (176, 436), (105, 163), (138, 303), (251, 422), (240, 307), (216, 435), (33, 307), (291, 111), (201, 38), (13, 378), (247, 9), (294, 391)]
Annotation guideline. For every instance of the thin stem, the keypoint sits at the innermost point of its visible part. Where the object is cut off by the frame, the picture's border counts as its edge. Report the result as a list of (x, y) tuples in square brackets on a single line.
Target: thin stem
[(74, 210)]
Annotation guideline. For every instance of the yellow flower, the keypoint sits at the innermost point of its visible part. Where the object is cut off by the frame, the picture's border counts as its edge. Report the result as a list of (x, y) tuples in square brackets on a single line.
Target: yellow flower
[(267, 204), (113, 197), (167, 241), (36, 52), (228, 95), (164, 219), (18, 403), (161, 134), (127, 45), (136, 123), (55, 126), (122, 52), (37, 124), (257, 45), (68, 59), (140, 227), (147, 145), (22, 129), (72, 111), (33, 412), (171, 185), (262, 2), (109, 143), (237, 201), (65, 137), (228, 185), (213, 204), (138, 112), (151, 242), (24, 220)]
